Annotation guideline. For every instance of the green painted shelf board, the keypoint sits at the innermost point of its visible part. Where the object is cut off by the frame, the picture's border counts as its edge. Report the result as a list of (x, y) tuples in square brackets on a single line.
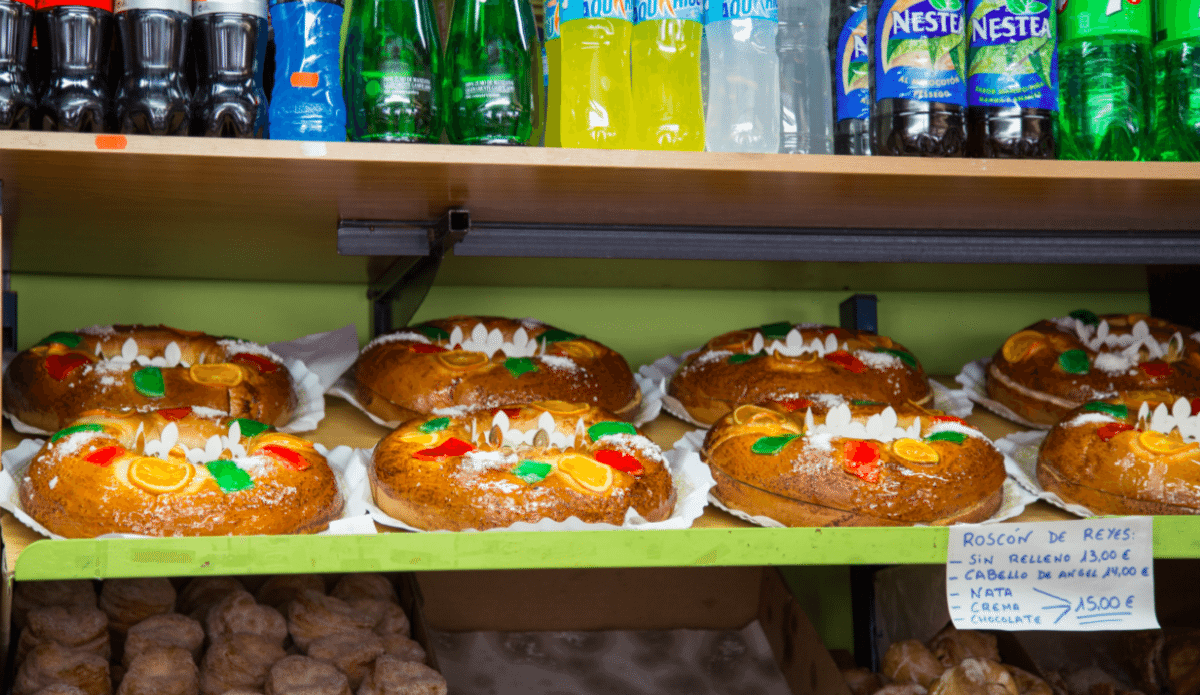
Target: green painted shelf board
[(1175, 537)]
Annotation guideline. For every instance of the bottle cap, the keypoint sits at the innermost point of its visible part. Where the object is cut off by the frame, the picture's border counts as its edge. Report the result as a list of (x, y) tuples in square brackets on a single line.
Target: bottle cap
[(106, 5), (258, 8), (181, 6)]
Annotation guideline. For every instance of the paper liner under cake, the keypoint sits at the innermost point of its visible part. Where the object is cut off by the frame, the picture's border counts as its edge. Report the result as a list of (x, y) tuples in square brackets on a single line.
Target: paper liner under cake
[(314, 362), (691, 478), (343, 460), (973, 379), (1020, 460), (1016, 498), (659, 372)]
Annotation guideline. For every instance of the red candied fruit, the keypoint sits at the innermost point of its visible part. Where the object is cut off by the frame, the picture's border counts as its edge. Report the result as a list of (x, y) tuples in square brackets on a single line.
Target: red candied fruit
[(451, 447), (793, 404), (619, 460), (60, 366), (264, 365), (423, 349), (847, 361), (173, 414), (104, 455), (511, 412), (862, 459), (1156, 369), (1112, 429), (949, 418), (292, 458)]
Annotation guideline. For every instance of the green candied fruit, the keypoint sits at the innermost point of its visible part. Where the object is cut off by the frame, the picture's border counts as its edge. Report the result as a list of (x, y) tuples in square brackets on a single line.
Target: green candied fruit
[(607, 427), (956, 437), (250, 427), (771, 445), (905, 356), (1119, 411), (862, 402), (532, 472), (435, 425), (62, 338), (431, 332), (229, 477), (744, 358), (1086, 317), (149, 382), (1074, 362), (776, 331), (557, 335), (519, 365), (68, 431)]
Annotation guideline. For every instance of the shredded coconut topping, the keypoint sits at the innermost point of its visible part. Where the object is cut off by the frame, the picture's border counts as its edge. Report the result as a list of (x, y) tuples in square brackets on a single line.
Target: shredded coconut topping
[(97, 330), (476, 462), (951, 426), (634, 444), (233, 347), (72, 443), (710, 356), (559, 362), (53, 482), (1113, 363), (452, 411), (396, 337), (1089, 419), (877, 360)]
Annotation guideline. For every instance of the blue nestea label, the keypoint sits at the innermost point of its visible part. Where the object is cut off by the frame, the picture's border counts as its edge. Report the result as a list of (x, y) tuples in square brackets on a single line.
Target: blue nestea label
[(718, 10), (920, 51), (592, 9), (851, 87), (687, 10), (553, 19), (1012, 57)]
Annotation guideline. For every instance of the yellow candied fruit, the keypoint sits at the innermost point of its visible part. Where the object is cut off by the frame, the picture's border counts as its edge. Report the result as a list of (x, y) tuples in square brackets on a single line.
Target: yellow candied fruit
[(1159, 443), (737, 340), (462, 360), (419, 437), (574, 349), (804, 362), (158, 476), (289, 440), (222, 374), (915, 451), (589, 473), (561, 407), (1023, 345)]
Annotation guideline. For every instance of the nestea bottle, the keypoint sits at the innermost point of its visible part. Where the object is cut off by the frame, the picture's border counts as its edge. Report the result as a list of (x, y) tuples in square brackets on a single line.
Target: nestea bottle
[(851, 77)]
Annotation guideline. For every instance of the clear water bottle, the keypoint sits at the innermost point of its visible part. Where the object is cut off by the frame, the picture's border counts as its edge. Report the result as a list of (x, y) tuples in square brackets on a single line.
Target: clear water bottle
[(918, 82), (743, 76), (805, 90), (1104, 79), (153, 96), (1177, 82), (851, 64), (230, 45)]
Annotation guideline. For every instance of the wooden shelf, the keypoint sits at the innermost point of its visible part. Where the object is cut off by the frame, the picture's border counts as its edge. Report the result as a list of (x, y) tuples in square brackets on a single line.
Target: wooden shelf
[(268, 210)]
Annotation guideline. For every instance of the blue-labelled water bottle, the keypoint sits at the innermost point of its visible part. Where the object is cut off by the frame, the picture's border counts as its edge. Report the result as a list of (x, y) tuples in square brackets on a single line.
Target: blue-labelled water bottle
[(307, 103)]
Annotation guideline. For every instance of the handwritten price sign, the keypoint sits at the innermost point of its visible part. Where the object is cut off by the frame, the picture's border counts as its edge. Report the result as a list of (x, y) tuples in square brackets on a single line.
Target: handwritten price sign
[(1095, 574)]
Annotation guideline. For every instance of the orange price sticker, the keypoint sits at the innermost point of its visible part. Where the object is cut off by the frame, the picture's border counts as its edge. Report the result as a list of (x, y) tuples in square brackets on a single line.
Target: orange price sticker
[(111, 142), (305, 79)]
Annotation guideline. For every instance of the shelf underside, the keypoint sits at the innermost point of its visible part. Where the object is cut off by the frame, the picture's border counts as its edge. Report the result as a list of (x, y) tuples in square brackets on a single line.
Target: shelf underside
[(268, 210)]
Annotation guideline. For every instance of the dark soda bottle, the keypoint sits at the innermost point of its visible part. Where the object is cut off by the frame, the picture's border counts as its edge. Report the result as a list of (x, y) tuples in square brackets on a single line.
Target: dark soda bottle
[(153, 97), (229, 42), (488, 72), (75, 35), (306, 103), (16, 92), (918, 85), (851, 79), (392, 72), (1012, 84)]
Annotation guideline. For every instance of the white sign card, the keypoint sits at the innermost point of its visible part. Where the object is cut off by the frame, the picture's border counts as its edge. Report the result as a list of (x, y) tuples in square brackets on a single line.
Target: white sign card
[(1083, 575)]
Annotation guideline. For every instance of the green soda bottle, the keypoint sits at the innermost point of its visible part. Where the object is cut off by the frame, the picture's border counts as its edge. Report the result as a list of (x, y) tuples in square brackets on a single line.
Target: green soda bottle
[(488, 82), (1177, 81), (390, 72), (1104, 79)]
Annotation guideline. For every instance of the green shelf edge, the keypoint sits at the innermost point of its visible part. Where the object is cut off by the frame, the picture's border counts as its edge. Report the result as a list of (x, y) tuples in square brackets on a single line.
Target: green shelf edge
[(1174, 537)]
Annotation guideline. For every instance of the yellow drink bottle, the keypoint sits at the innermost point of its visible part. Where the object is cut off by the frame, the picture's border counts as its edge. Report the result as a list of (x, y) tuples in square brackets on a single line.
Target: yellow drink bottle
[(596, 103), (668, 108)]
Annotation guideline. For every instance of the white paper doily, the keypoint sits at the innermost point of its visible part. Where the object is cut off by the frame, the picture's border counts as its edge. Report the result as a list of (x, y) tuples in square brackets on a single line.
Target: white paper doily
[(649, 408), (343, 461), (973, 379), (1020, 460), (314, 363), (1015, 497), (691, 478), (659, 372)]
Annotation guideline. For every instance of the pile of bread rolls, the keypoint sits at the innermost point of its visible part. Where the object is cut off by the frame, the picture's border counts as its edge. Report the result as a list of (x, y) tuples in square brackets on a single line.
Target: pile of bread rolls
[(213, 637)]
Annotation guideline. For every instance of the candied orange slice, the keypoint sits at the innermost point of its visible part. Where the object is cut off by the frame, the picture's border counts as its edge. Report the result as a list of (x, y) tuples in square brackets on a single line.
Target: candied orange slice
[(735, 341), (288, 440), (156, 476), (561, 407), (915, 451), (589, 473), (1021, 346), (804, 362), (1159, 443), (574, 349), (419, 437), (223, 374), (462, 360)]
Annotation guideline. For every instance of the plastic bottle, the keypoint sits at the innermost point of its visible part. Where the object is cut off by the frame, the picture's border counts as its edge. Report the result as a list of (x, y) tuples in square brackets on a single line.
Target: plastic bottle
[(392, 72), (553, 61), (488, 72), (230, 45), (153, 97), (918, 84), (1177, 82), (805, 88), (851, 81), (596, 102), (743, 76), (1012, 79), (668, 112), (306, 103), (75, 35), (1104, 79), (16, 90)]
